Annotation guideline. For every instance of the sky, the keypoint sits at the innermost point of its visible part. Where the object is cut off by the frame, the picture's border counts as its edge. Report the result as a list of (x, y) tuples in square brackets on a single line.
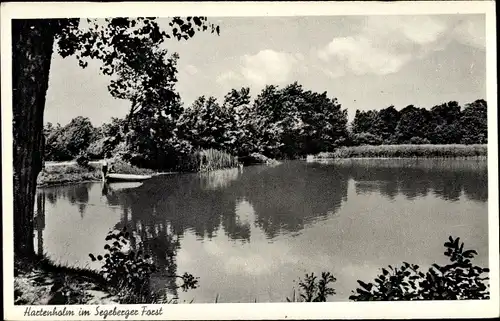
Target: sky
[(366, 62)]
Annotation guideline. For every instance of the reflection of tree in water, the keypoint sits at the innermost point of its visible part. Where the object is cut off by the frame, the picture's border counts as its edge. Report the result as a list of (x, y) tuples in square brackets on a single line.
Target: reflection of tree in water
[(164, 208), (39, 221), (284, 198), (390, 189), (218, 179), (77, 195), (158, 241), (52, 194), (287, 197), (477, 189), (445, 179), (235, 229), (161, 210), (175, 199), (446, 185)]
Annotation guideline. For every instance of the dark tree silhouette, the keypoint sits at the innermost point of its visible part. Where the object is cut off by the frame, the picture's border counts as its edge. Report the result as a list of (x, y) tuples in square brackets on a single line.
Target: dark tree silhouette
[(116, 42)]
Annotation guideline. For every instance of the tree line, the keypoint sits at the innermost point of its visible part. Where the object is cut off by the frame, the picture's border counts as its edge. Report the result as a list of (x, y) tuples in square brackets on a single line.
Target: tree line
[(447, 123), (284, 123)]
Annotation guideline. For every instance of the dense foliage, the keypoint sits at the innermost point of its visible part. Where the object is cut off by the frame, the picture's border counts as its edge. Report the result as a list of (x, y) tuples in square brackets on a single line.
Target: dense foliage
[(290, 122), (443, 124), (281, 123), (128, 270), (459, 280)]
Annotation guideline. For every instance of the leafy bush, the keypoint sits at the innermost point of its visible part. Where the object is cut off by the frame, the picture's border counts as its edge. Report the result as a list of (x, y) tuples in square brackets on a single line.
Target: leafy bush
[(128, 272), (123, 267), (366, 139), (96, 149), (122, 167), (257, 158), (83, 159), (456, 281), (66, 143), (313, 290)]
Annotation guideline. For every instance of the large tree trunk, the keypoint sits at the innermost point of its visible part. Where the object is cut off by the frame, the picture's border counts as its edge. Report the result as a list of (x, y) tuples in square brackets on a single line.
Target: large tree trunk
[(32, 42)]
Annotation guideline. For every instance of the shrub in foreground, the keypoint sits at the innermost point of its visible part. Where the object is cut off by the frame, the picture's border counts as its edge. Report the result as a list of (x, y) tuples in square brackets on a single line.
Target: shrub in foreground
[(128, 272), (312, 289), (459, 280)]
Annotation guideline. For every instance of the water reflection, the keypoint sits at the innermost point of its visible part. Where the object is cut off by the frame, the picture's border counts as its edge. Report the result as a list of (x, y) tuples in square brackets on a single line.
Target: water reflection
[(225, 221), (218, 179), (446, 179), (285, 198), (76, 194)]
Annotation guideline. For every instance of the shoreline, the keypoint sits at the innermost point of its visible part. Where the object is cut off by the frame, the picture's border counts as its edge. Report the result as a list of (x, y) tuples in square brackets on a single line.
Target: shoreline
[(78, 175), (451, 151), (42, 282), (82, 181), (64, 183), (405, 158)]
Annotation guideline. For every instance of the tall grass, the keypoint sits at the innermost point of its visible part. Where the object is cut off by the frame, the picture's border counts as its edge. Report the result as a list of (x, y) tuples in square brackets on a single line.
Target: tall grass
[(409, 151), (208, 160)]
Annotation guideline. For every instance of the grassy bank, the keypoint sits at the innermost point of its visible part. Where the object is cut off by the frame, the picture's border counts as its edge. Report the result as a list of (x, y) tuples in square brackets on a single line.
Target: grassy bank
[(66, 174), (408, 151), (41, 282), (59, 173), (74, 173)]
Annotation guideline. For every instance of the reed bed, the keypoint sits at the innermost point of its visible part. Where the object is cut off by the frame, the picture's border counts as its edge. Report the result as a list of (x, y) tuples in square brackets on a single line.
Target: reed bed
[(208, 160), (212, 159), (466, 164), (409, 151)]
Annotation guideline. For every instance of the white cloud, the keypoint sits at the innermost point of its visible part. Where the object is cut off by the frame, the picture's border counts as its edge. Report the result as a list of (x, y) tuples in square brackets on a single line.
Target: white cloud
[(268, 66), (387, 43), (471, 32), (192, 70), (228, 77), (420, 30), (265, 67), (361, 57)]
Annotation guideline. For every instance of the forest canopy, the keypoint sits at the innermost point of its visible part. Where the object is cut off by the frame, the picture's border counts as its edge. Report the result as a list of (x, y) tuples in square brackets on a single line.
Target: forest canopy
[(285, 123)]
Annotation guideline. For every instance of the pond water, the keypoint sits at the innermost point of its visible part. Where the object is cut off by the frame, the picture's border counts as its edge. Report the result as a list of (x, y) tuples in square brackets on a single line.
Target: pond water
[(250, 235)]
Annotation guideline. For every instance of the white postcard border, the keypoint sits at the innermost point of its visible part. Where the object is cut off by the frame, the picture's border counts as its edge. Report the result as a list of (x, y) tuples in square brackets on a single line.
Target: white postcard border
[(350, 310)]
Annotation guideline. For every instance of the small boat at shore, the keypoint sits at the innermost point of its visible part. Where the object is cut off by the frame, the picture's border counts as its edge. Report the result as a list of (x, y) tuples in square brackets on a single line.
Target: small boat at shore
[(114, 177)]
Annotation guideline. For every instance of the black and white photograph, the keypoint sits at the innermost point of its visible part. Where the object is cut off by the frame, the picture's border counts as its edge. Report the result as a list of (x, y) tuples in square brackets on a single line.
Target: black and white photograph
[(235, 155)]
